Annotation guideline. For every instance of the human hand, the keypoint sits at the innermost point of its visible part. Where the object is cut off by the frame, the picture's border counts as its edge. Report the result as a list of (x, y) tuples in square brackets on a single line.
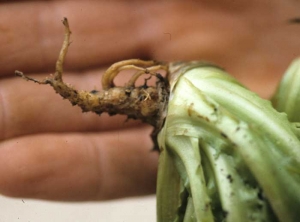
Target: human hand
[(51, 150)]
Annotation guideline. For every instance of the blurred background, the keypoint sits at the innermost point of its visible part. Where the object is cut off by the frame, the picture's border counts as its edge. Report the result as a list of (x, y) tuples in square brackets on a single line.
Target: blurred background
[(253, 40), (124, 210)]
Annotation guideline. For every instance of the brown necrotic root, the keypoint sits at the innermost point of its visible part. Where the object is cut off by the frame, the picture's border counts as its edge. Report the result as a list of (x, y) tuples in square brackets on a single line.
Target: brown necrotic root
[(139, 102)]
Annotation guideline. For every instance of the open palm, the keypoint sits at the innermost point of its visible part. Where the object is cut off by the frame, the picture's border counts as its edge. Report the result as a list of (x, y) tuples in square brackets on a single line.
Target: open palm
[(50, 150)]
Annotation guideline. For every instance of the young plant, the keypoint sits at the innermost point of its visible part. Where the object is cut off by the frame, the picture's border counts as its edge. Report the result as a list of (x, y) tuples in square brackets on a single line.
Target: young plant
[(225, 153)]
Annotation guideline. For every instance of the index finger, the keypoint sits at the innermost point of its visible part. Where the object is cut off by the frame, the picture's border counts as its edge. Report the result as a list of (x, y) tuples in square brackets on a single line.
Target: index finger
[(31, 39), (254, 44)]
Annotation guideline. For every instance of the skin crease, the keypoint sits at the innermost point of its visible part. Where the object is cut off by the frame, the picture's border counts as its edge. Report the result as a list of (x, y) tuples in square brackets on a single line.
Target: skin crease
[(50, 150)]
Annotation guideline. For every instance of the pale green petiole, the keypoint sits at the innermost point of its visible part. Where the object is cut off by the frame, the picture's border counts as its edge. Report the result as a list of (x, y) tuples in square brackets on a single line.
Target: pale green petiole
[(237, 157)]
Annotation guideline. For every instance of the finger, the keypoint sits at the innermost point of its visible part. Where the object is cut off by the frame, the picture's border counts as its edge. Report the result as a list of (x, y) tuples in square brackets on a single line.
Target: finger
[(166, 31), (78, 166), (28, 108), (32, 37)]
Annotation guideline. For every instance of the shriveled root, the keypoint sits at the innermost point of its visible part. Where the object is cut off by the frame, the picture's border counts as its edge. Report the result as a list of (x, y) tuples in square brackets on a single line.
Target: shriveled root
[(139, 102)]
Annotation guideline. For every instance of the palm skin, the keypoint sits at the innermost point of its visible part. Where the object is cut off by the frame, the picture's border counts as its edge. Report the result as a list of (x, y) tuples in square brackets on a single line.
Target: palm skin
[(50, 150)]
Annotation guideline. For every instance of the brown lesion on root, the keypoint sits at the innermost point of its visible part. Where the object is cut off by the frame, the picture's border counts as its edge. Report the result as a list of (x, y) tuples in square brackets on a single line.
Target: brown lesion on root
[(146, 103)]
